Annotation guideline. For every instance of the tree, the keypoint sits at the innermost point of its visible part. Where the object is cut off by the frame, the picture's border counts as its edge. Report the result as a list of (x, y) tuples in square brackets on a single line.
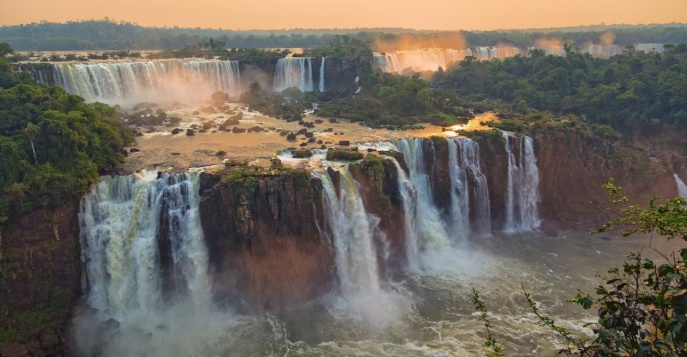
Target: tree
[(5, 49), (31, 131)]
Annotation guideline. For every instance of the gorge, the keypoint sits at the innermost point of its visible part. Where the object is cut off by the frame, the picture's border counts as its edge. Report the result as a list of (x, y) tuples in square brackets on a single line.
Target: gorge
[(353, 244)]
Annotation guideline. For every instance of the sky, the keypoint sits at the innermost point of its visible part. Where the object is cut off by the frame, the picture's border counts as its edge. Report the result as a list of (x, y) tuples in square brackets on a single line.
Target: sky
[(416, 14)]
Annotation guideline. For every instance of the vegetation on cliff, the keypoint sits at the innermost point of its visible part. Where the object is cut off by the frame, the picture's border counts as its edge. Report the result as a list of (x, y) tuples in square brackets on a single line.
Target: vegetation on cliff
[(53, 146)]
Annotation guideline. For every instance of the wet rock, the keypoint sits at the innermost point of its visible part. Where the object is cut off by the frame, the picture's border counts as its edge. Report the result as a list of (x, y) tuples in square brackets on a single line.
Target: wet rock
[(14, 349), (176, 131), (190, 132), (49, 341), (236, 130), (371, 150), (304, 144), (328, 130), (134, 150), (257, 129), (344, 143)]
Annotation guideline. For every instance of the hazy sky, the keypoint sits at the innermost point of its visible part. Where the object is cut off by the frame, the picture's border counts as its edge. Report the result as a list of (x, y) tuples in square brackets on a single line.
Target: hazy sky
[(280, 14)]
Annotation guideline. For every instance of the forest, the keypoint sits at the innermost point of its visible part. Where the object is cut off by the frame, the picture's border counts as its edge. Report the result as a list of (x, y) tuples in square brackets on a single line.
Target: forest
[(53, 146), (111, 35)]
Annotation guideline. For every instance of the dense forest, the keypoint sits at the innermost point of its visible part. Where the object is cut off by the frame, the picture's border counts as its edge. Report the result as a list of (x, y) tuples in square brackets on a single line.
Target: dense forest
[(110, 35), (633, 90), (53, 146)]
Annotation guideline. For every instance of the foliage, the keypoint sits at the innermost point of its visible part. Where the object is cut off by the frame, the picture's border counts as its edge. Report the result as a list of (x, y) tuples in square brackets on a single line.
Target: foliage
[(343, 154), (627, 92), (490, 343), (641, 308), (52, 145)]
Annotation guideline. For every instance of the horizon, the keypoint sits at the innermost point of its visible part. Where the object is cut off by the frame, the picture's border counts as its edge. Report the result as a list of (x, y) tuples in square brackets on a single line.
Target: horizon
[(354, 29), (436, 15)]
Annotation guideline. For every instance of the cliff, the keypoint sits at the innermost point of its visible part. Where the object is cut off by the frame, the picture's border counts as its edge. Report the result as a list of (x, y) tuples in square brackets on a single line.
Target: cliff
[(41, 278)]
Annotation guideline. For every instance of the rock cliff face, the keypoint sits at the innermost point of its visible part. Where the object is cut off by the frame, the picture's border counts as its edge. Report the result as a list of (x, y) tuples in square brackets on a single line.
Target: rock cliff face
[(263, 239), (40, 277)]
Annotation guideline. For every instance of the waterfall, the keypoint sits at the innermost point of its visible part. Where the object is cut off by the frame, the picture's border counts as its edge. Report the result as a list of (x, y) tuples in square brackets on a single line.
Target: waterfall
[(409, 201), (353, 233), (321, 86), (294, 72), (430, 227), (522, 193), (681, 187), (123, 220), (117, 82), (470, 211), (418, 60)]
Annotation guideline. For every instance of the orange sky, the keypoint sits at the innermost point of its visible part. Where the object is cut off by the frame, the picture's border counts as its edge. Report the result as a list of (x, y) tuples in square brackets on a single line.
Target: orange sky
[(280, 14)]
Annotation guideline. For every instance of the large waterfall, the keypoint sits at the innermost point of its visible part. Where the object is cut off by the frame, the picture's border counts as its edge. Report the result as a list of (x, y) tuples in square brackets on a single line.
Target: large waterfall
[(468, 184), (136, 231), (294, 72), (353, 236), (522, 193), (173, 80), (431, 228), (681, 187)]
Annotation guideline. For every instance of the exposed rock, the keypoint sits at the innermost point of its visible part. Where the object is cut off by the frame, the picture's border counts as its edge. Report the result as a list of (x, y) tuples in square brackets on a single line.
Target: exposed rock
[(14, 349)]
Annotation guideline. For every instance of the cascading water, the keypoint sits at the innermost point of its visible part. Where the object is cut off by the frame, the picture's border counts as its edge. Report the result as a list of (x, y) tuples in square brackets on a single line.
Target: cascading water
[(409, 201), (468, 184), (418, 60), (681, 187), (353, 233), (321, 85), (122, 220), (522, 193), (294, 72), (176, 80), (430, 227)]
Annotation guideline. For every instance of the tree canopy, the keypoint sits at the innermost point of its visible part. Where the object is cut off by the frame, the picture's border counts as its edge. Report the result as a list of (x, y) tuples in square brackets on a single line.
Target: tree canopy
[(53, 146)]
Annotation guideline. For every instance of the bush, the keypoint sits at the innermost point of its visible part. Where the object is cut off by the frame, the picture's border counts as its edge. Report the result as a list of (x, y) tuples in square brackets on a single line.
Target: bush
[(343, 155)]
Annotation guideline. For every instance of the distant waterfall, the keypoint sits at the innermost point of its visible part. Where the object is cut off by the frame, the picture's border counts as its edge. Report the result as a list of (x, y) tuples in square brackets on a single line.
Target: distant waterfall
[(294, 72), (321, 86), (175, 80), (681, 187), (430, 227), (522, 193), (353, 233), (468, 184), (123, 220), (418, 60)]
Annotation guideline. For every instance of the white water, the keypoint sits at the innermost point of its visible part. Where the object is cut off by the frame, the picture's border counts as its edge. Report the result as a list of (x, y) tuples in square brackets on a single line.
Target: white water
[(522, 193), (321, 86), (353, 232), (681, 187), (121, 221), (430, 227), (120, 227), (409, 200), (418, 60), (155, 81), (294, 72), (464, 164)]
